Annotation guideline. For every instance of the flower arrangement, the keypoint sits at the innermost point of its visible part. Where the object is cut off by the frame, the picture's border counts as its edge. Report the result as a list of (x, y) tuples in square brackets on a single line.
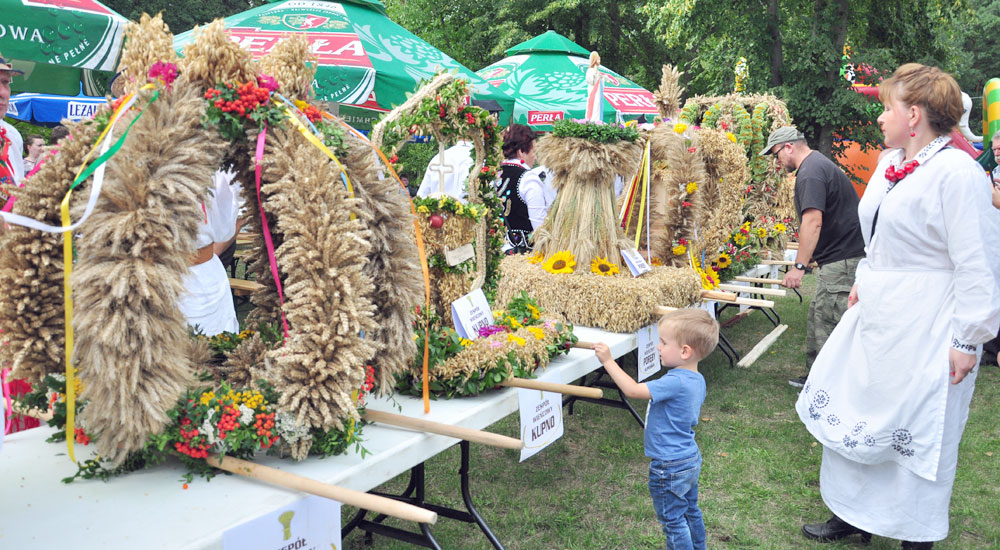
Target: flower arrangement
[(206, 419), (519, 341), (594, 131)]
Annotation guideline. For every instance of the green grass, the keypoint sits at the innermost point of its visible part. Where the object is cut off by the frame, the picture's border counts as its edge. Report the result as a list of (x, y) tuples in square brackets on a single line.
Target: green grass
[(759, 480)]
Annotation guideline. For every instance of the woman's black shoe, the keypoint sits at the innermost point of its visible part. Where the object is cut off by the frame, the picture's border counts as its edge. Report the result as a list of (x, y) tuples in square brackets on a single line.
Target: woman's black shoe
[(834, 529), (907, 545)]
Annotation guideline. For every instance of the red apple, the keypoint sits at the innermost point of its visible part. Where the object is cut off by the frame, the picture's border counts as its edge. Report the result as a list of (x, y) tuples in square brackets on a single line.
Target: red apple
[(436, 221)]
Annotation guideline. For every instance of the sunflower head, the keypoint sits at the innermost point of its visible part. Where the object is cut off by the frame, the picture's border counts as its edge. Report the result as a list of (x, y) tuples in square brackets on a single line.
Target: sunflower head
[(602, 266), (724, 261), (560, 262)]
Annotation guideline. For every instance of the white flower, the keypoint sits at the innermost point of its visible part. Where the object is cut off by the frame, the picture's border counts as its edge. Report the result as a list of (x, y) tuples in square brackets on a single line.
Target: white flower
[(246, 415), (288, 429)]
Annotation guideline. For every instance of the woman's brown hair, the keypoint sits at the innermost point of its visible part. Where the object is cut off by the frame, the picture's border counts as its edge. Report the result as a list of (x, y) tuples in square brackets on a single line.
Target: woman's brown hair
[(517, 137), (929, 88)]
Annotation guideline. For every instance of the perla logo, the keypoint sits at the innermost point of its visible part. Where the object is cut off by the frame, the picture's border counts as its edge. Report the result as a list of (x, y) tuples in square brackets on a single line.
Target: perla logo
[(14, 32)]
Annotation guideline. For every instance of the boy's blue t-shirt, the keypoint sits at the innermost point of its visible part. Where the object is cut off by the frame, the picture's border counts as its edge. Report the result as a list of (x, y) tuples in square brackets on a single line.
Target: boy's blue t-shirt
[(676, 403)]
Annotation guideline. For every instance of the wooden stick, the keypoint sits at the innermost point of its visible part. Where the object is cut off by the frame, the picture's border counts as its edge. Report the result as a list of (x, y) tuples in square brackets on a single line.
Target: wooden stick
[(762, 346), (753, 290), (757, 280), (274, 476), (663, 310), (458, 432), (565, 389), (792, 245), (777, 262), (243, 287), (584, 345)]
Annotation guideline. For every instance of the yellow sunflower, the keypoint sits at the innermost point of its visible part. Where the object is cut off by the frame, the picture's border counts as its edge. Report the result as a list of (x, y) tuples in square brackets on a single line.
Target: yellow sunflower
[(679, 249), (780, 227), (761, 232), (537, 258), (602, 266), (691, 187), (724, 261), (560, 262)]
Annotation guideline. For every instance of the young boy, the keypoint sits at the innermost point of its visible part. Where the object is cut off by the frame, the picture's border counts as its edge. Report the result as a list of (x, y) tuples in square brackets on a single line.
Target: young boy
[(686, 336)]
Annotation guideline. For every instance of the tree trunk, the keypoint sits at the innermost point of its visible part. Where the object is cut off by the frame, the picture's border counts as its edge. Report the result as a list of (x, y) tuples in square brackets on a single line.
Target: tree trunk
[(838, 36), (774, 31)]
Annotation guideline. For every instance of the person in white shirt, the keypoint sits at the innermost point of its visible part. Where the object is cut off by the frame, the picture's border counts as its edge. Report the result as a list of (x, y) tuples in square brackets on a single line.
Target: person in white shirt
[(459, 158), (521, 191), (11, 144), (207, 302), (888, 395)]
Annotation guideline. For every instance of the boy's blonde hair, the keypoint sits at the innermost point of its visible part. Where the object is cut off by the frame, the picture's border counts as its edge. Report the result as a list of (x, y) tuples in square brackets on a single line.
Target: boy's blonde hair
[(693, 327)]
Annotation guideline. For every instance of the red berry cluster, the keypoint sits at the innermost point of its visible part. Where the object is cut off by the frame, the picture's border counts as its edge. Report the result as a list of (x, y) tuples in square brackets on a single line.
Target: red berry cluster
[(441, 112), (228, 422), (81, 437), (312, 113), (470, 118), (264, 424), (194, 444), (250, 97)]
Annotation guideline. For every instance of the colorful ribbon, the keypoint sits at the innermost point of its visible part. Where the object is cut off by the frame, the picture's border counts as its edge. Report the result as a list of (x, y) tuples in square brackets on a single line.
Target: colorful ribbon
[(268, 243), (644, 170), (8, 412)]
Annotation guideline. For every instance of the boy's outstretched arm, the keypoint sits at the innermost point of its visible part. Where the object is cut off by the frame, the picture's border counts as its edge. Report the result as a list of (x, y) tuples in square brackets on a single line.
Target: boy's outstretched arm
[(629, 387)]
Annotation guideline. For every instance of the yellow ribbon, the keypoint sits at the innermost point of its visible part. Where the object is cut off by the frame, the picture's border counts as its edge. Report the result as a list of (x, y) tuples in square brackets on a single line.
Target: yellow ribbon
[(67, 290), (643, 191)]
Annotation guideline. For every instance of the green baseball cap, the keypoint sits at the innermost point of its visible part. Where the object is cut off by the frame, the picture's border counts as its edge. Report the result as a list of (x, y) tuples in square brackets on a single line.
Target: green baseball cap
[(781, 136)]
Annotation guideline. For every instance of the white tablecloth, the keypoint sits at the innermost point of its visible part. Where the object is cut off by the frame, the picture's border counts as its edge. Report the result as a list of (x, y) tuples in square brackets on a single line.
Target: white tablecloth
[(150, 509)]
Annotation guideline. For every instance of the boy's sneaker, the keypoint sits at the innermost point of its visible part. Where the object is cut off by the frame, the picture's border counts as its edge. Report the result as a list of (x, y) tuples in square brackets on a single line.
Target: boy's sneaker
[(797, 382)]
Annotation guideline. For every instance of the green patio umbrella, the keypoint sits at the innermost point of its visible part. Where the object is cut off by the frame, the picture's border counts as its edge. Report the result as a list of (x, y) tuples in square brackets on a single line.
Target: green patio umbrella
[(367, 63), (61, 43), (545, 76)]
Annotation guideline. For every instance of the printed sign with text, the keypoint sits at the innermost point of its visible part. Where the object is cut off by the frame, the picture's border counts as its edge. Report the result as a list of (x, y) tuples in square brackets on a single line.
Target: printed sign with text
[(635, 262), (541, 416), (471, 313), (312, 523), (649, 357)]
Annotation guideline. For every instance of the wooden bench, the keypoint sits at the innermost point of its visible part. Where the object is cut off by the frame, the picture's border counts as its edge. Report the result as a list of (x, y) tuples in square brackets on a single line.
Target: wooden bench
[(242, 287)]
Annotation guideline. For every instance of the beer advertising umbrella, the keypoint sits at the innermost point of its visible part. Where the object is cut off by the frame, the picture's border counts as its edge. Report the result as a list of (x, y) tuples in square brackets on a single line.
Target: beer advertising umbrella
[(366, 60), (545, 76), (60, 43)]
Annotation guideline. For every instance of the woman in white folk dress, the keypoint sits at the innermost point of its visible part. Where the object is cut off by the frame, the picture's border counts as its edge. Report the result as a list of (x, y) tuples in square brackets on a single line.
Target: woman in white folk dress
[(207, 302), (888, 396)]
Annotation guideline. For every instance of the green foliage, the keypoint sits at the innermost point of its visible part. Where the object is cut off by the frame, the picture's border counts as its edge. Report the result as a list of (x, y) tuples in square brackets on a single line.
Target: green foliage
[(592, 131), (413, 159)]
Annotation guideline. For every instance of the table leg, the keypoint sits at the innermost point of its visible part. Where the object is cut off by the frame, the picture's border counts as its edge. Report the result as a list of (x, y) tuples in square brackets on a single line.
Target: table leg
[(599, 382)]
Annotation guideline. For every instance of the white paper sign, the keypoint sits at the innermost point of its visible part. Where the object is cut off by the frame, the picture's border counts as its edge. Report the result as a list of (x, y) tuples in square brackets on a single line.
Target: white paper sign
[(312, 523), (459, 255), (635, 262), (649, 357), (775, 274), (470, 313), (541, 416)]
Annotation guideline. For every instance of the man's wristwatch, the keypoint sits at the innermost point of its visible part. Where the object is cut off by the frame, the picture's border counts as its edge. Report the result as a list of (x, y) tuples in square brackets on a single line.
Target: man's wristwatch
[(800, 265)]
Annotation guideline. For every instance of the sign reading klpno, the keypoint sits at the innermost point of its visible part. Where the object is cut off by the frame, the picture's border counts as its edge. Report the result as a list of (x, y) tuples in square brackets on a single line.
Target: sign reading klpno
[(541, 417)]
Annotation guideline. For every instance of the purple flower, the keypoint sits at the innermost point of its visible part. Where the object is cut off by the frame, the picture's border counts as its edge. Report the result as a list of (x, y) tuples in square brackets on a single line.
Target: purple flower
[(267, 82), (490, 330), (165, 72)]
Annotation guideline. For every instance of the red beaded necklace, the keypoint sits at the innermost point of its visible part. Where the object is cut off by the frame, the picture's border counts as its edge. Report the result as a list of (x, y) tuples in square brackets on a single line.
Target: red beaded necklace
[(894, 174)]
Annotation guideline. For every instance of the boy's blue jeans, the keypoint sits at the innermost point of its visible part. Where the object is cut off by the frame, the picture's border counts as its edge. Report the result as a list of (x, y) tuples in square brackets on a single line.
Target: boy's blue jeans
[(673, 484)]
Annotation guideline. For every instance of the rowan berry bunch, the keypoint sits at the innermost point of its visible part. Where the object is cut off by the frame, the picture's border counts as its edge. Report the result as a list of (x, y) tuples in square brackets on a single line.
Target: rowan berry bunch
[(228, 422), (235, 107)]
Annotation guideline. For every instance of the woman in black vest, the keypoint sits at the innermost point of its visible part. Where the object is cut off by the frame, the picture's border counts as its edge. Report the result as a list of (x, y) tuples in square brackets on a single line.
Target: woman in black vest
[(521, 191)]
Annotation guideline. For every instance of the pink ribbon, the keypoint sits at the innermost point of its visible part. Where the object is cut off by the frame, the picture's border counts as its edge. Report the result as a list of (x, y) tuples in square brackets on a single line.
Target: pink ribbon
[(8, 417), (267, 232)]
